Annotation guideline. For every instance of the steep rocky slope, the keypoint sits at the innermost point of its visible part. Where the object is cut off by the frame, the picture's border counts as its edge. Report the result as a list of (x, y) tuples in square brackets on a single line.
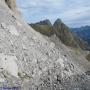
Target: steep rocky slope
[(32, 62)]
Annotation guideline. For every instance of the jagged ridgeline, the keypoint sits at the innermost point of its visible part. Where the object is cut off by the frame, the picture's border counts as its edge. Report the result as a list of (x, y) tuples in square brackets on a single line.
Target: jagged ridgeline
[(61, 30)]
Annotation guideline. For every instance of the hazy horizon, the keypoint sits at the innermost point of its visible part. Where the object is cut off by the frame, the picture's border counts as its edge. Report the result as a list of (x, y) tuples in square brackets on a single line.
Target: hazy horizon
[(73, 13)]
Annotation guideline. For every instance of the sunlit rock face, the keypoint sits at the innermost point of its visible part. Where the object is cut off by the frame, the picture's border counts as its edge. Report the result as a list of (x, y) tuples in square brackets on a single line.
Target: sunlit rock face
[(62, 31), (11, 4)]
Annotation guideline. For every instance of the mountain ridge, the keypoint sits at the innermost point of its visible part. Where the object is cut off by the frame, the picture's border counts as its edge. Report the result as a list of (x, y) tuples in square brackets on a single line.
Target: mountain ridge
[(62, 32), (83, 32)]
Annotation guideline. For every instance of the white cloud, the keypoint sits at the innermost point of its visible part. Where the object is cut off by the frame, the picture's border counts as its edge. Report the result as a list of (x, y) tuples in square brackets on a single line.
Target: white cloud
[(68, 11)]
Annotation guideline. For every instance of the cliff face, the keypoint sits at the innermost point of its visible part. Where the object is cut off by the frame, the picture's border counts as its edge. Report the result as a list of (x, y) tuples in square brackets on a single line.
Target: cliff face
[(11, 4)]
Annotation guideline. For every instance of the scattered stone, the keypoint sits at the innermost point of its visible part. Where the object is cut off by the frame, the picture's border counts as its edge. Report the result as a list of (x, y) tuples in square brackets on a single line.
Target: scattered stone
[(52, 45), (88, 73), (24, 47), (3, 26), (65, 55), (13, 17)]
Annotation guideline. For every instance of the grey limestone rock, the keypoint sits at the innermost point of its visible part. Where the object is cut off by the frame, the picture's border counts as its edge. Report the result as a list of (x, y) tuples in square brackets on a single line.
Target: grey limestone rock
[(30, 61)]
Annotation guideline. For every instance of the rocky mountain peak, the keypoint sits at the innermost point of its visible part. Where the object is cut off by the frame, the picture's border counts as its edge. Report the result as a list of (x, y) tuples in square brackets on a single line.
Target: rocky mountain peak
[(45, 22), (58, 21), (60, 25)]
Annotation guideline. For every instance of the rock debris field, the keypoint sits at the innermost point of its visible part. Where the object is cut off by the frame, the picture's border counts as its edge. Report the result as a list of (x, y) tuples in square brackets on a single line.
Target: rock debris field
[(32, 62)]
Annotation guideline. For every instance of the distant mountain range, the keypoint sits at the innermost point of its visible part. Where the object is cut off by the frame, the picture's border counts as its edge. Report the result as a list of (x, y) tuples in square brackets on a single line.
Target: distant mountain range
[(61, 30), (83, 32)]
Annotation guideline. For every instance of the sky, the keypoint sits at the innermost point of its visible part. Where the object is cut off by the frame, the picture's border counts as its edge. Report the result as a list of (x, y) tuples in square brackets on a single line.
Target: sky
[(74, 13)]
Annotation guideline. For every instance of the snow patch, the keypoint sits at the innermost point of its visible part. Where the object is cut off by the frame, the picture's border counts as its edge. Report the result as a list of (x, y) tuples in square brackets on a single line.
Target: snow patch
[(9, 64)]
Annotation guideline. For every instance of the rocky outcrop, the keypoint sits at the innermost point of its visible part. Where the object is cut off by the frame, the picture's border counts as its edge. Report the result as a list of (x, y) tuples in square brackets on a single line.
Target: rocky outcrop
[(11, 4), (62, 31)]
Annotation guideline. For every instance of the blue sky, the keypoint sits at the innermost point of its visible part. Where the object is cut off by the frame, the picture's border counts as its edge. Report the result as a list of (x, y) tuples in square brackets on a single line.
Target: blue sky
[(74, 13)]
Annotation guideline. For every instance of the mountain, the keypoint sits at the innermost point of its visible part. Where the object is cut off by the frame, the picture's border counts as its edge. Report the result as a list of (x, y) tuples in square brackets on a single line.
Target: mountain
[(61, 31), (83, 32), (67, 37), (44, 27), (30, 61)]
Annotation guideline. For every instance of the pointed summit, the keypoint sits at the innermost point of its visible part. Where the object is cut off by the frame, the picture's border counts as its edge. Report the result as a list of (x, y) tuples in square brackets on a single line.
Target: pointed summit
[(60, 24), (58, 21), (64, 34)]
